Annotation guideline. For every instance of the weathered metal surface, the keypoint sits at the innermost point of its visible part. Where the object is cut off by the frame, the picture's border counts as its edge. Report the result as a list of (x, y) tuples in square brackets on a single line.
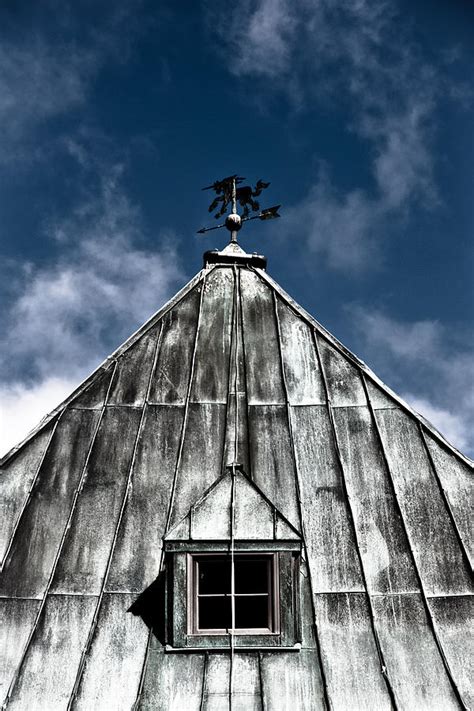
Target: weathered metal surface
[(381, 536), (439, 559), (185, 440), (179, 614), (211, 518), (303, 379), (16, 622), (201, 459), (242, 675), (136, 557), (172, 682), (307, 630), (94, 395), (113, 666), (253, 516), (264, 377), (30, 561), (332, 552), (47, 675), (246, 694), (457, 481), (292, 682), (379, 400), (349, 655), (86, 549), (170, 380), (289, 607), (343, 380), (413, 661), (211, 371), (217, 683), (236, 438), (454, 621), (16, 478), (133, 371), (271, 456)]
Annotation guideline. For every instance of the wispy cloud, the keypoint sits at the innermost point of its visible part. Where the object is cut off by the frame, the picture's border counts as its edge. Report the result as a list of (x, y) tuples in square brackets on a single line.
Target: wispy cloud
[(435, 370), (39, 82), (69, 314), (47, 72), (361, 57)]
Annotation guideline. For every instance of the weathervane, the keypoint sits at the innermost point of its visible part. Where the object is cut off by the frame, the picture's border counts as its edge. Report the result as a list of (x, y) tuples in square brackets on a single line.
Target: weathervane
[(228, 193)]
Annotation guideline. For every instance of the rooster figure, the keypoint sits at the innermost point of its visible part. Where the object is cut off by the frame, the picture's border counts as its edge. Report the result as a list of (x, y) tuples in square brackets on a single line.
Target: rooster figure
[(244, 195)]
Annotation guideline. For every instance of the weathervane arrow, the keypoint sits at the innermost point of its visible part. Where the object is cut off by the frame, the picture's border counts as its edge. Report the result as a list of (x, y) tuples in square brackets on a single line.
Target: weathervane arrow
[(227, 193)]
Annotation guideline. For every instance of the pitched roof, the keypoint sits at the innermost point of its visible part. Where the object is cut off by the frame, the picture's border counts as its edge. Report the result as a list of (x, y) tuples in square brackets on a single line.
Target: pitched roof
[(229, 370), (233, 508)]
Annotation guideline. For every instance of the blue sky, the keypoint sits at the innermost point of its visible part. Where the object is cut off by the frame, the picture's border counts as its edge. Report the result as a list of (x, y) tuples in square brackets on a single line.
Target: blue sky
[(360, 113)]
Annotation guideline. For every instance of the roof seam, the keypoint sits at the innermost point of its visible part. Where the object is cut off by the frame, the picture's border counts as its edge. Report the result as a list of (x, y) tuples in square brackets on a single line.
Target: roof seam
[(327, 700), (445, 499), (373, 624), (95, 619), (186, 412), (429, 616), (110, 360), (360, 364), (29, 494), (58, 553)]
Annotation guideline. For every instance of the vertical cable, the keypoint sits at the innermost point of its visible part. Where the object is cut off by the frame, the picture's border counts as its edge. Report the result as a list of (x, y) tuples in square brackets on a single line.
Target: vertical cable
[(232, 584), (327, 700), (204, 680)]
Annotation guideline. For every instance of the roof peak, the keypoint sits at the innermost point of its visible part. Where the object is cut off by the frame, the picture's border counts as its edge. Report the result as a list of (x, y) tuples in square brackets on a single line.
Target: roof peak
[(234, 254)]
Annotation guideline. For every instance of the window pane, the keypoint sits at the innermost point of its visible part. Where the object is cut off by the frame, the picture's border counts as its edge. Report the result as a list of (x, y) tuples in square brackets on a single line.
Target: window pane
[(214, 576), (251, 612), (214, 613), (251, 575)]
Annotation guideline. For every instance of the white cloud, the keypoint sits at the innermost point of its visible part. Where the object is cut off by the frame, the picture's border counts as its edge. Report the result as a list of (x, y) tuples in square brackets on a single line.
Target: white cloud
[(269, 34), (360, 56), (70, 314), (454, 426), (22, 407), (436, 371), (340, 227)]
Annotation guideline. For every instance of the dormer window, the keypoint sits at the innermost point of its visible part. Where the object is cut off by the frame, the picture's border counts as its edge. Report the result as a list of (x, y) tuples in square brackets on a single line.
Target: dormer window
[(233, 593), (232, 572)]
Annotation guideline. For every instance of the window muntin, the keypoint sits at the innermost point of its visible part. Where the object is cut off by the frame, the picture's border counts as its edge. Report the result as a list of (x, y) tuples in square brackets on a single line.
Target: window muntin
[(236, 593)]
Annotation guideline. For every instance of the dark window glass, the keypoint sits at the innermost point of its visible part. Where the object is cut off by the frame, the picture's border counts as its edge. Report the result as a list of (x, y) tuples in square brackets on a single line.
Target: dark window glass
[(214, 576), (251, 612), (251, 600), (214, 613), (251, 575)]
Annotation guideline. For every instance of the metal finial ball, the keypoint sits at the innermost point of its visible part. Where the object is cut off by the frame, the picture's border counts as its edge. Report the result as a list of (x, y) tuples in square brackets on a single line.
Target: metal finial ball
[(233, 222)]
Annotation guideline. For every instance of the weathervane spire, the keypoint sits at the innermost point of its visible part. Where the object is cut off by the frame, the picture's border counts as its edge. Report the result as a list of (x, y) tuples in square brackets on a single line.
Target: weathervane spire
[(227, 193)]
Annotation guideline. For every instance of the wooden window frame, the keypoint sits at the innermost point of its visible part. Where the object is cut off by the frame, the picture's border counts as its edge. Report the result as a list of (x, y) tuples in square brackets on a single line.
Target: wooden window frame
[(273, 594), (180, 635)]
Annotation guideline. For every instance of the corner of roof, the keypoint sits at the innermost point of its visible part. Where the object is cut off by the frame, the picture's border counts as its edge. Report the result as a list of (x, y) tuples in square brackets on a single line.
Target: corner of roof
[(359, 364), (107, 363)]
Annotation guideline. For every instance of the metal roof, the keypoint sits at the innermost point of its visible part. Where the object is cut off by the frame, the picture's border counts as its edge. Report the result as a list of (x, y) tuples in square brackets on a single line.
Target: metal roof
[(233, 370)]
